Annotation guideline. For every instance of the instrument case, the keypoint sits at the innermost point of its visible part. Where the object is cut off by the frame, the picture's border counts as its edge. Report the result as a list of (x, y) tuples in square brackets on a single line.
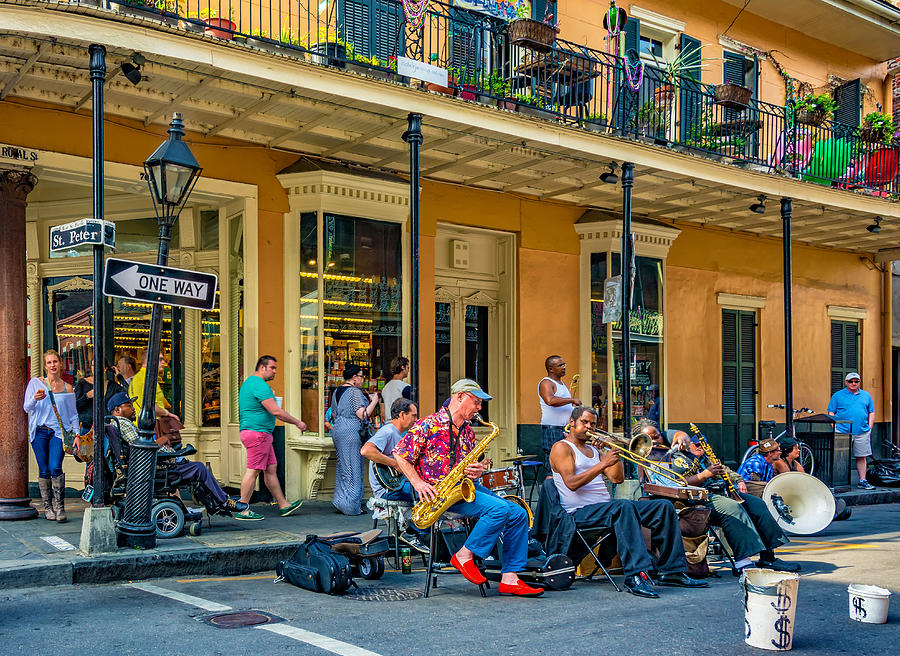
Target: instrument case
[(314, 566), (555, 571)]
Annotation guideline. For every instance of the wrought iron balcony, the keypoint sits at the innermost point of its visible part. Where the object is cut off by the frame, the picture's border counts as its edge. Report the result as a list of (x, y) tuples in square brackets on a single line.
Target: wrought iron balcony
[(563, 83)]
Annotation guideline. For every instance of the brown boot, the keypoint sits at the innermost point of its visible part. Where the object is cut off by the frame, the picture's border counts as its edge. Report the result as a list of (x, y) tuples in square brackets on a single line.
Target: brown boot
[(59, 497), (44, 484)]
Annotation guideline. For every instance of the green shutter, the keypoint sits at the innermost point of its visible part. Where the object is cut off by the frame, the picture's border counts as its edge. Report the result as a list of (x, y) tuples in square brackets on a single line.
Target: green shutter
[(738, 382), (848, 97), (734, 70), (389, 31), (844, 352), (729, 365), (356, 28), (691, 90)]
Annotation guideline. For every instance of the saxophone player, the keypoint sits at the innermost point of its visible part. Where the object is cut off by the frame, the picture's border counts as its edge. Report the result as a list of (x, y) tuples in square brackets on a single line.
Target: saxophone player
[(428, 452)]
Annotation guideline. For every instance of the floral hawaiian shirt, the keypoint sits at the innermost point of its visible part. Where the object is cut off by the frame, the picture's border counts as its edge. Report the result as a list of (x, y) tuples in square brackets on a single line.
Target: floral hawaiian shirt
[(433, 447)]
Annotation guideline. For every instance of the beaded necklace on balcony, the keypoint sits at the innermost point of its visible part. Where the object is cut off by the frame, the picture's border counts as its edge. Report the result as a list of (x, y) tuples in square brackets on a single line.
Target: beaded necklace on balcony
[(634, 81), (415, 12)]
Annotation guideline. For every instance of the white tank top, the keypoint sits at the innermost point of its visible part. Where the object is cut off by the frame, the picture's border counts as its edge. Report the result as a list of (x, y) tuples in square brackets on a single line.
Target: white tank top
[(588, 494), (555, 416)]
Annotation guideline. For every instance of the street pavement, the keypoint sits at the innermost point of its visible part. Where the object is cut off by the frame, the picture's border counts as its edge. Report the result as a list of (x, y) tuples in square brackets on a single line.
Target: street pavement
[(164, 615)]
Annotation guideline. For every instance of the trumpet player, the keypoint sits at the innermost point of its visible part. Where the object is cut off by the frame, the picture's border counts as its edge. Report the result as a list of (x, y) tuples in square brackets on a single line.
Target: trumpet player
[(577, 467), (428, 452), (748, 525)]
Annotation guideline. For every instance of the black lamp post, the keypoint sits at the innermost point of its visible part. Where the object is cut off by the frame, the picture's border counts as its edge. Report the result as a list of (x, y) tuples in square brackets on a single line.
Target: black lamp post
[(171, 173)]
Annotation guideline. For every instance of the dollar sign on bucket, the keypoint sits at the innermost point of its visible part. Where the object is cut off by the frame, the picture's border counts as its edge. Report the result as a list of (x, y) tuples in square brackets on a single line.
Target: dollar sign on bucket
[(859, 607), (782, 627)]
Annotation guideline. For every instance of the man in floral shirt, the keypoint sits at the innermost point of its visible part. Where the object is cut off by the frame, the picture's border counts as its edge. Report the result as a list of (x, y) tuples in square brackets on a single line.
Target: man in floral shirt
[(429, 451)]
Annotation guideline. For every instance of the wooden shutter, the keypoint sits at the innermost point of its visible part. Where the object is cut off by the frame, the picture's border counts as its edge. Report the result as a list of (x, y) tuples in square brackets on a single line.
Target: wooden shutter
[(538, 9), (464, 41), (734, 70), (729, 364), (747, 355), (848, 97), (388, 31), (631, 37), (691, 91), (844, 352), (356, 26)]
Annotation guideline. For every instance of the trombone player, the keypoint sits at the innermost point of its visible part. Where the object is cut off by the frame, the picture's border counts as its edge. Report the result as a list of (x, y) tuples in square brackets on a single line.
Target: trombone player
[(577, 467), (429, 451)]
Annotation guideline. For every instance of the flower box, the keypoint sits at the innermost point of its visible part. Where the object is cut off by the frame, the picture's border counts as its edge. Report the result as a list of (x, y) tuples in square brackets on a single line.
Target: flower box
[(732, 96), (810, 116)]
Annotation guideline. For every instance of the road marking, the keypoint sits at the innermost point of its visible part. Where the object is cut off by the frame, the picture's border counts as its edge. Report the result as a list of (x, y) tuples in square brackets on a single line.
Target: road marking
[(826, 546), (179, 596), (227, 578), (316, 640)]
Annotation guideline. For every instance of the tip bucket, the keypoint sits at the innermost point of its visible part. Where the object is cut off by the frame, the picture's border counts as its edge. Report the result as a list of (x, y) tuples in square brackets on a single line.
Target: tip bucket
[(868, 603), (770, 602)]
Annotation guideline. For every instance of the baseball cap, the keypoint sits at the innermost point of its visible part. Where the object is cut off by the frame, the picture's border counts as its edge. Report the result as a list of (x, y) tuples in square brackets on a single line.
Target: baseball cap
[(118, 399), (787, 442), (853, 376), (470, 386), (768, 445)]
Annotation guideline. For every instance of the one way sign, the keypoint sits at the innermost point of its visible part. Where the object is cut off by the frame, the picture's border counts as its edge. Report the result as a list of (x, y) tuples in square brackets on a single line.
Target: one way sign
[(151, 283)]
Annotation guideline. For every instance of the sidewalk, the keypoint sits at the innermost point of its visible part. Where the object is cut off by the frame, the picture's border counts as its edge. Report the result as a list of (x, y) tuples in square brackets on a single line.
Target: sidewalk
[(228, 548)]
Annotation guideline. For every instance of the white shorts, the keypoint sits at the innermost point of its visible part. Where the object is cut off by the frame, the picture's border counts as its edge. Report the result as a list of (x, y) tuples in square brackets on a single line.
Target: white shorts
[(861, 445)]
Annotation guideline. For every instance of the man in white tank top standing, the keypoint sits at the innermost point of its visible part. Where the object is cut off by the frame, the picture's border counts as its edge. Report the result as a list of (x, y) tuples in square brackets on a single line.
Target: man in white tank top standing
[(556, 405), (577, 468)]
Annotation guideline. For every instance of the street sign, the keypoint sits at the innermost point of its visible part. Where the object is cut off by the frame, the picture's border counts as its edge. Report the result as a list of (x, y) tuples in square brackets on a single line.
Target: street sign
[(78, 233), (152, 283)]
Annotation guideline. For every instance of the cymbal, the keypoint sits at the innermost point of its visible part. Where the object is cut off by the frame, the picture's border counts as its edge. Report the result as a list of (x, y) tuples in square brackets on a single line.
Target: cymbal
[(518, 458)]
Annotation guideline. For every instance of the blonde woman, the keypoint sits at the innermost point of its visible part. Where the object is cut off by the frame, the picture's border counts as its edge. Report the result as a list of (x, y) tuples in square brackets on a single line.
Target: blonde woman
[(50, 404)]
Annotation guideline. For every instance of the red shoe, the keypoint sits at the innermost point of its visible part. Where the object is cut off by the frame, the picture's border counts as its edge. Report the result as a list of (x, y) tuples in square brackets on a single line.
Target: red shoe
[(520, 589), (468, 570)]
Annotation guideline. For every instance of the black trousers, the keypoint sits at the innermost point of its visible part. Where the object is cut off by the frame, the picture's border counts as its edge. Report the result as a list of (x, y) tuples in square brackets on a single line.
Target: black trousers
[(626, 517)]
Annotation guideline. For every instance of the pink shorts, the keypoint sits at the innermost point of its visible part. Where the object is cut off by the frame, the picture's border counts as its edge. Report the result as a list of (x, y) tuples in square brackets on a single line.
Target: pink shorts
[(260, 453)]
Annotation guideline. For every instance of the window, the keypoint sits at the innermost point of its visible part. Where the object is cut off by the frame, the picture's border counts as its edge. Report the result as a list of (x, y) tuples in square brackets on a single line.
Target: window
[(651, 47), (210, 360), (844, 352)]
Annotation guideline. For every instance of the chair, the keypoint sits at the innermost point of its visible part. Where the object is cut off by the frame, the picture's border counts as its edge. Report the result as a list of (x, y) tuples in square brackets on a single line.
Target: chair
[(443, 542), (576, 95), (393, 517), (553, 523)]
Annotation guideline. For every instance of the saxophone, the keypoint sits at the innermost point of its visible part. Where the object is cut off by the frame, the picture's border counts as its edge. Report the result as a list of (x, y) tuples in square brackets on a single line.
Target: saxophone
[(729, 485), (455, 486)]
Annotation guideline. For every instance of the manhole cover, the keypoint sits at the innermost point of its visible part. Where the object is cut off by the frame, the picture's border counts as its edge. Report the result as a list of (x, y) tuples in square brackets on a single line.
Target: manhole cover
[(384, 593), (240, 618)]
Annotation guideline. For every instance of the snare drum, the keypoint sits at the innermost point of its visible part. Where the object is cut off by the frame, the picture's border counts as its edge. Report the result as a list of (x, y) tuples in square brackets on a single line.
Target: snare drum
[(501, 479)]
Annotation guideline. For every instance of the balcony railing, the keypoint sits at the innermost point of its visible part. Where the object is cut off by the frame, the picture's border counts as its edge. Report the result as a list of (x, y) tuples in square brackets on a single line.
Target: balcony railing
[(568, 83)]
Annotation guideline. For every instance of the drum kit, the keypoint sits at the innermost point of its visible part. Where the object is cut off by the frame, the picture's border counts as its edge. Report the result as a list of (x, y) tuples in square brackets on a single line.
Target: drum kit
[(509, 483)]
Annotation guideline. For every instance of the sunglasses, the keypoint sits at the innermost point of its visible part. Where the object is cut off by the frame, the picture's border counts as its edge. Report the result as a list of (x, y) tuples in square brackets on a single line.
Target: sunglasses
[(853, 382)]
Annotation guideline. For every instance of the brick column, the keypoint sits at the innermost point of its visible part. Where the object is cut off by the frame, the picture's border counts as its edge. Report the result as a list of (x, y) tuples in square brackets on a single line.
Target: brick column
[(894, 72), (15, 185)]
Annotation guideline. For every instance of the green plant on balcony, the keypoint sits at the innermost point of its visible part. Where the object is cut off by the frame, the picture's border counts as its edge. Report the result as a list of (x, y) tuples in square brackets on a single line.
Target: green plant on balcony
[(204, 14), (287, 36), (814, 109), (530, 100), (704, 133), (878, 127), (650, 118)]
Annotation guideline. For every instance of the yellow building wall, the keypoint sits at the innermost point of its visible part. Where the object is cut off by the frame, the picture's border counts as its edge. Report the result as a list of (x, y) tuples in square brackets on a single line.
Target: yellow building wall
[(803, 57), (704, 262)]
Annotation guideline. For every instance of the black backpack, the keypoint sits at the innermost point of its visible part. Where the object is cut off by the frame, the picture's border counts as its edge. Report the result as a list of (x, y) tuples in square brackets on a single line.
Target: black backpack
[(314, 566)]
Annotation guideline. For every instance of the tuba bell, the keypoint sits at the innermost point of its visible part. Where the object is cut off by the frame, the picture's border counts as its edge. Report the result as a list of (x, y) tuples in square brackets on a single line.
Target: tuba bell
[(801, 504)]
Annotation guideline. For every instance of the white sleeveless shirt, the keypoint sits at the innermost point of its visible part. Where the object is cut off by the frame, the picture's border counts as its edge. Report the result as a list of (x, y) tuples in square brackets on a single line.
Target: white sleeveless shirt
[(559, 415), (588, 494)]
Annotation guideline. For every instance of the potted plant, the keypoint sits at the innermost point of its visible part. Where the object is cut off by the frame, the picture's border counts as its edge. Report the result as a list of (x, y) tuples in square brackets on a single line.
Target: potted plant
[(330, 49), (814, 110), (466, 81), (496, 87), (221, 28), (533, 34), (649, 119), (531, 105), (732, 96), (877, 128), (595, 122)]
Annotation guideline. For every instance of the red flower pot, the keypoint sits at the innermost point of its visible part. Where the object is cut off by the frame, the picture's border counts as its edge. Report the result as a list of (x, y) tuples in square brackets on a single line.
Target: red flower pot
[(214, 23)]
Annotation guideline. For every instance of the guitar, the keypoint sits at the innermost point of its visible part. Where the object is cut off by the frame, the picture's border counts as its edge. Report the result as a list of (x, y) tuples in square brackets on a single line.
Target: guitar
[(390, 478)]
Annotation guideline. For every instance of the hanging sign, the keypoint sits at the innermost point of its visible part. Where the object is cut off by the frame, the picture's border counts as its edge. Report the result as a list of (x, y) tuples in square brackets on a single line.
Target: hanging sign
[(79, 233), (422, 71)]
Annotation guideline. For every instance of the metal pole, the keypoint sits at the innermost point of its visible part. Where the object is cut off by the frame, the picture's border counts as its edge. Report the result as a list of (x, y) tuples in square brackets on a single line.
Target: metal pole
[(627, 184), (98, 78), (786, 210), (413, 136)]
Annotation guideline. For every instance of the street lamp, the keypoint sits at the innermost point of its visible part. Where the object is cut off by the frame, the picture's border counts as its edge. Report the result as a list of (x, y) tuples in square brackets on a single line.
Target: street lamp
[(171, 173)]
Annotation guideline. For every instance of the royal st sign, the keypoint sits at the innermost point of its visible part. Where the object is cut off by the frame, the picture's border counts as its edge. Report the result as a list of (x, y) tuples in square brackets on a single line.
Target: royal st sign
[(79, 233), (152, 283)]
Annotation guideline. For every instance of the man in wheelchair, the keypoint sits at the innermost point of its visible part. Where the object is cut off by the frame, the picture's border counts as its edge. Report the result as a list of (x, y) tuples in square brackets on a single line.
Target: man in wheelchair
[(173, 469)]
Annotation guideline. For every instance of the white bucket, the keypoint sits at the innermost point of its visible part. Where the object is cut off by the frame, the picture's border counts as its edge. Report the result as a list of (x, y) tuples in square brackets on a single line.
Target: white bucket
[(869, 603), (770, 602)]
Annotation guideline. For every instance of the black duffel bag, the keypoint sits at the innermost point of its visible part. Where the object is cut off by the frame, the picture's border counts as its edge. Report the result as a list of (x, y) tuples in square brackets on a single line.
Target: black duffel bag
[(885, 473), (314, 566)]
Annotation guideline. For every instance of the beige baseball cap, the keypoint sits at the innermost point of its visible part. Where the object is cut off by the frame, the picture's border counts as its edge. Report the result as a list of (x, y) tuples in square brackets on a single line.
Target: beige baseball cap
[(470, 386)]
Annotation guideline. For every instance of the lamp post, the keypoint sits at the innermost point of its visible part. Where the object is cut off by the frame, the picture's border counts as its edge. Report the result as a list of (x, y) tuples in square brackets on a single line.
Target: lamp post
[(171, 173), (413, 136), (625, 269)]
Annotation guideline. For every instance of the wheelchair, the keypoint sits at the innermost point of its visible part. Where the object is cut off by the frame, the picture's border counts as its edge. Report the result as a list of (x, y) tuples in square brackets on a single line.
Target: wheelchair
[(168, 513)]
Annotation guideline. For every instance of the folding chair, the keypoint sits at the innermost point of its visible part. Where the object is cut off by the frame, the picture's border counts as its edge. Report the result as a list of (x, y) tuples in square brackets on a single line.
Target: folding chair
[(590, 538), (392, 517), (443, 542), (720, 547)]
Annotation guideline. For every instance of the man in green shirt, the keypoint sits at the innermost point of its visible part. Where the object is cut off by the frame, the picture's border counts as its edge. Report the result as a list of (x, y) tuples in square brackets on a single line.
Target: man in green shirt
[(258, 411)]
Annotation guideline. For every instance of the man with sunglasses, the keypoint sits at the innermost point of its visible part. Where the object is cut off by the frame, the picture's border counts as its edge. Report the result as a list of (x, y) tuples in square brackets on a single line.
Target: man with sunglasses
[(855, 405), (430, 450)]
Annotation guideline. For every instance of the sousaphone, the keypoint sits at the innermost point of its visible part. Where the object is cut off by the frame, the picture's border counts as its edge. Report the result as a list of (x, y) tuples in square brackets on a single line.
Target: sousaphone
[(801, 504)]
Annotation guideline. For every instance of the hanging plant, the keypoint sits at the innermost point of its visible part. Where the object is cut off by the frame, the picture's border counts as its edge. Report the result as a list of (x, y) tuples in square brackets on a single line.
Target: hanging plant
[(814, 109)]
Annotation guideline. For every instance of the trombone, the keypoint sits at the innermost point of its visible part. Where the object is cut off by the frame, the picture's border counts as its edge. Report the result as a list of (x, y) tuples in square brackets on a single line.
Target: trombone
[(634, 451)]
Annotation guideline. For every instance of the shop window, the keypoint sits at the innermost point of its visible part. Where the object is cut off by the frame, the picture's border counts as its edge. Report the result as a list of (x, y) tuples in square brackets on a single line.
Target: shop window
[(210, 361), (309, 319), (235, 310), (209, 230), (360, 312), (599, 343)]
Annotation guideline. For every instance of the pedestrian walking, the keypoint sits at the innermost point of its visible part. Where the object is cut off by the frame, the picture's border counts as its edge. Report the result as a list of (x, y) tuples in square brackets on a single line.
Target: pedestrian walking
[(351, 409), (396, 387), (258, 411), (855, 405), (50, 404), (84, 400)]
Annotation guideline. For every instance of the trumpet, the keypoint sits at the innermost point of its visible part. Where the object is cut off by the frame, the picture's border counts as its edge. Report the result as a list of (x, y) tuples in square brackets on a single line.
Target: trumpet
[(634, 451)]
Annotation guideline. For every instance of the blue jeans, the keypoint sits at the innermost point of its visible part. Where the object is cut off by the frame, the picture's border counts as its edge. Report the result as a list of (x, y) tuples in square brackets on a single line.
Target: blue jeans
[(48, 451), (550, 435), (496, 516)]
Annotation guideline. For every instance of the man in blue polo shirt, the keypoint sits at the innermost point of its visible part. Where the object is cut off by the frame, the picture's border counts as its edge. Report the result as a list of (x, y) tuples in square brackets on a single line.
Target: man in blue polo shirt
[(856, 406)]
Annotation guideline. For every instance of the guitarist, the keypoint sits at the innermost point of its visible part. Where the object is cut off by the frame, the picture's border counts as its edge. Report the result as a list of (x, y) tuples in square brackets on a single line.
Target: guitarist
[(378, 450)]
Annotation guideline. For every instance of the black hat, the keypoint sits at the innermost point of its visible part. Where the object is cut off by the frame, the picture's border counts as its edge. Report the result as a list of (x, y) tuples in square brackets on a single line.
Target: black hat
[(118, 399)]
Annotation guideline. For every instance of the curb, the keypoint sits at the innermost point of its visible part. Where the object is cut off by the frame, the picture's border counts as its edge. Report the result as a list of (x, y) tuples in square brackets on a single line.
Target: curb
[(228, 561), (861, 498)]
